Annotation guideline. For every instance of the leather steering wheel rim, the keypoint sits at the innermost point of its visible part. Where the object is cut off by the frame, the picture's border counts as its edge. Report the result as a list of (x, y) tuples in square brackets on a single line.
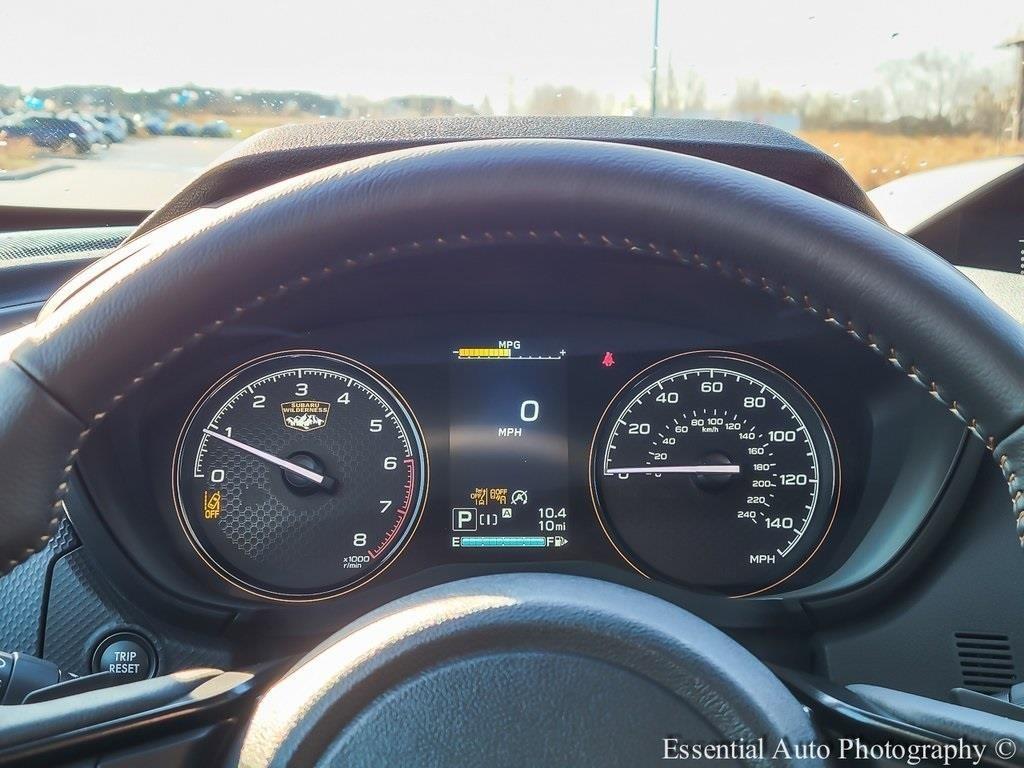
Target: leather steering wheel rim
[(167, 290)]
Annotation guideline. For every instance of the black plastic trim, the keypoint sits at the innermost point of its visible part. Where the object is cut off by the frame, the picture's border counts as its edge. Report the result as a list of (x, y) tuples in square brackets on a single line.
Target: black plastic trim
[(227, 696), (16, 217)]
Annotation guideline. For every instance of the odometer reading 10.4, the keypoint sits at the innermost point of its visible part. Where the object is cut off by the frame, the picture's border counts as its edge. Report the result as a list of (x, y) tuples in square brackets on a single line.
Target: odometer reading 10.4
[(300, 475), (716, 471)]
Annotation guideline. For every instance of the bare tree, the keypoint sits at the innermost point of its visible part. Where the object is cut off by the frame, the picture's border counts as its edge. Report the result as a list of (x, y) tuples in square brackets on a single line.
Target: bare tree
[(931, 84), (823, 111), (670, 101), (867, 106), (682, 95), (562, 100), (693, 91), (991, 111), (752, 98)]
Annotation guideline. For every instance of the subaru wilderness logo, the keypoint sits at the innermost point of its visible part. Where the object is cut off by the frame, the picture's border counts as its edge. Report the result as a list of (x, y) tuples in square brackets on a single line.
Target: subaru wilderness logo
[(305, 415)]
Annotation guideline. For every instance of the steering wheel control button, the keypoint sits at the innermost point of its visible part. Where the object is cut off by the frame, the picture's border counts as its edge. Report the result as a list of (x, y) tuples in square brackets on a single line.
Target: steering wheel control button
[(127, 655)]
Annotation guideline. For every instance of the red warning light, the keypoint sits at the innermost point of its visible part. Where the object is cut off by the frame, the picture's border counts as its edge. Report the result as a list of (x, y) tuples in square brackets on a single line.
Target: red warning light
[(609, 360)]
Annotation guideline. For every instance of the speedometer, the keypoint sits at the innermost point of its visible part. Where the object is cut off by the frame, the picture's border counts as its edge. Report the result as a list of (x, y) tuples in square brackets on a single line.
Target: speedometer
[(715, 470), (300, 475)]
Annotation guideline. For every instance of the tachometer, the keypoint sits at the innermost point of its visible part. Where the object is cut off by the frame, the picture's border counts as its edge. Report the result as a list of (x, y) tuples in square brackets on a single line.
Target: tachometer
[(300, 475), (715, 470)]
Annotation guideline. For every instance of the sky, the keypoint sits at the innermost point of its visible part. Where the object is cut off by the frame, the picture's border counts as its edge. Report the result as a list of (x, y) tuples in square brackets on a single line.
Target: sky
[(498, 50)]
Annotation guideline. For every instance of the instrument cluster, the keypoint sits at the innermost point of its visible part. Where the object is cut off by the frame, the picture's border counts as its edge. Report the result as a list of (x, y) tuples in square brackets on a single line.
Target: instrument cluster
[(423, 425), (304, 473)]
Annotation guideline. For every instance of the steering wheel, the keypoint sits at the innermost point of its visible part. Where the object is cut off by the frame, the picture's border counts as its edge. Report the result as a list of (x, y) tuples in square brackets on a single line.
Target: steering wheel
[(514, 669)]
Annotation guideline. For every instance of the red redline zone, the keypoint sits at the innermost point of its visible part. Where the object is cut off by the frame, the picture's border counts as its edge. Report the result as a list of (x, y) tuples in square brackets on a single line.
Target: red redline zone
[(401, 514)]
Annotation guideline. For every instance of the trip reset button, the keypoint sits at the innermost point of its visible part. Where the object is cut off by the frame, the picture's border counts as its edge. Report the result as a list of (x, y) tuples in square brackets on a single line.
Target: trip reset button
[(127, 655)]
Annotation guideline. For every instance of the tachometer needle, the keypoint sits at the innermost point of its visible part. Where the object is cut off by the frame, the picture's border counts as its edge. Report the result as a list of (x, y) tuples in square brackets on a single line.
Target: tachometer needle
[(683, 469), (323, 481)]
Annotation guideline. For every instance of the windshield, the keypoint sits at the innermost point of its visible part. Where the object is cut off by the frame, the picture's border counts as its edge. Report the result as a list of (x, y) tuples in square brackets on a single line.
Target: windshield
[(119, 105)]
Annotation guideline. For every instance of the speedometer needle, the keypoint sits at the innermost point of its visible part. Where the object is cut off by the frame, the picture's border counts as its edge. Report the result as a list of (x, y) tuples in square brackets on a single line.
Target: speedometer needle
[(684, 469), (323, 481)]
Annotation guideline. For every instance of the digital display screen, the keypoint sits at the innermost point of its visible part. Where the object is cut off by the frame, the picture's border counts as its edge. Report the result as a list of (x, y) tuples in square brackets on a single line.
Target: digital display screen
[(509, 460)]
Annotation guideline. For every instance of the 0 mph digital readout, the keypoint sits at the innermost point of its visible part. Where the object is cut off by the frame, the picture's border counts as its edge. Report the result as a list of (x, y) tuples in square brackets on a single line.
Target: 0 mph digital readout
[(508, 446)]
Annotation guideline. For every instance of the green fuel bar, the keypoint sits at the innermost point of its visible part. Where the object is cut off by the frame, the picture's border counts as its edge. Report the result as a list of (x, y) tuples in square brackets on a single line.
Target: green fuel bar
[(489, 542)]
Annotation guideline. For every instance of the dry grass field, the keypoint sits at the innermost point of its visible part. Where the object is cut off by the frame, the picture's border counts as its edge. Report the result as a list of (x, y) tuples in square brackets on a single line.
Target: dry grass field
[(873, 159)]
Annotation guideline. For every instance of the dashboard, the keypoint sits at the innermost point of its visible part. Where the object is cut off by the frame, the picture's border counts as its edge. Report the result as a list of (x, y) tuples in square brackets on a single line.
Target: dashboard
[(414, 424), (523, 410)]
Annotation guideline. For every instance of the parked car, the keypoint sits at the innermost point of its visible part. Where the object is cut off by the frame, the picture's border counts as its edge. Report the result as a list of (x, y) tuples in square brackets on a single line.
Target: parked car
[(102, 135), (47, 132), (133, 123), (87, 127), (183, 128), (113, 126), (154, 125), (216, 129)]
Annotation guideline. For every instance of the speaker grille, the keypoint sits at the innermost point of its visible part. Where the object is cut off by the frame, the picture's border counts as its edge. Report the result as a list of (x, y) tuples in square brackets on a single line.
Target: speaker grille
[(986, 661)]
